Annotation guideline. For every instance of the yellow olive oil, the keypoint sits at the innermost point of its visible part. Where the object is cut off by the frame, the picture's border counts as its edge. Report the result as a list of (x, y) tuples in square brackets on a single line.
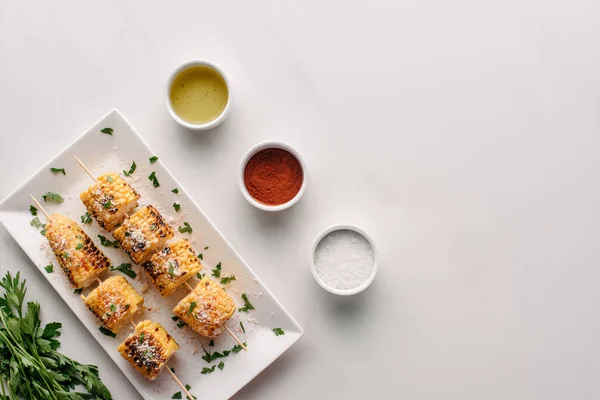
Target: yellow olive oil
[(199, 94)]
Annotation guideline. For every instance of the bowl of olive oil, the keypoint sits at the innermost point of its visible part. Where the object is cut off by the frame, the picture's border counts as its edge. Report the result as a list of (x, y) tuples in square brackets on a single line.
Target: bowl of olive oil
[(198, 95)]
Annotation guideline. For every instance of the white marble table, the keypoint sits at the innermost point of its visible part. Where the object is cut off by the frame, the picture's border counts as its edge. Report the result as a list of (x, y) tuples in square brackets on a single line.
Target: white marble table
[(464, 136)]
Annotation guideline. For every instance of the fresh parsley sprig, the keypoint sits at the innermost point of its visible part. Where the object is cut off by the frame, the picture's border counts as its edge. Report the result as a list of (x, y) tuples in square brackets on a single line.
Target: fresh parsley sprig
[(247, 305), (105, 242), (185, 228), (131, 169), (278, 331), (55, 197), (216, 272), (126, 269), (86, 218), (153, 179)]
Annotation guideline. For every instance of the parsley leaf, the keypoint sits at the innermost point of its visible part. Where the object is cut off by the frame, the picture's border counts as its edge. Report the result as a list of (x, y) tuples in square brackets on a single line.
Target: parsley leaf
[(175, 190), (200, 256), (187, 387), (192, 306), (79, 246), (36, 223), (180, 324), (174, 317), (177, 206), (153, 179), (186, 228), (131, 169), (206, 248), (242, 326), (107, 205), (177, 395), (199, 275), (33, 210), (153, 159), (55, 170), (171, 269), (247, 305), (53, 197), (78, 291), (228, 279), (208, 370), (211, 343), (216, 272), (126, 269), (278, 331), (108, 131), (43, 231), (221, 365), (237, 348), (110, 179), (105, 242), (86, 218), (107, 332), (49, 268)]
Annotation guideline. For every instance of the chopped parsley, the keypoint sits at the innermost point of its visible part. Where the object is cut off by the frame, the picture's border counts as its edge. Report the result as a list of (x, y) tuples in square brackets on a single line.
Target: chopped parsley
[(113, 308), (107, 205), (247, 305), (43, 231), (127, 233), (199, 275), (57, 198), (242, 326), (206, 370), (278, 331), (185, 228), (79, 246), (78, 291), (216, 272), (192, 306), (200, 256), (141, 339), (211, 343), (131, 169), (55, 170), (33, 210), (206, 248), (237, 348), (175, 190), (153, 227), (126, 269), (108, 131), (153, 179), (49, 268), (153, 159), (221, 365), (66, 255), (187, 387), (177, 395), (86, 218), (107, 332), (180, 324), (177, 206), (227, 279), (110, 179), (105, 242), (171, 270), (36, 223)]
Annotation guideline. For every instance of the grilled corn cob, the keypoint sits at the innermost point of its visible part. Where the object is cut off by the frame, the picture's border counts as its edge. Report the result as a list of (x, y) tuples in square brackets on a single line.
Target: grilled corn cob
[(148, 349), (206, 308), (172, 266), (115, 302), (110, 199), (143, 233), (77, 255)]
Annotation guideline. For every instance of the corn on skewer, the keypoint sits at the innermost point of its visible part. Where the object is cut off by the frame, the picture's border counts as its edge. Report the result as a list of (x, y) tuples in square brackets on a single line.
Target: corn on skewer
[(76, 253)]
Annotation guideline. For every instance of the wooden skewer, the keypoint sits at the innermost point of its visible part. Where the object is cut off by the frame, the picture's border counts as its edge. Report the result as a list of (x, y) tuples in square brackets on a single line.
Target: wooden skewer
[(84, 167), (40, 206), (188, 287)]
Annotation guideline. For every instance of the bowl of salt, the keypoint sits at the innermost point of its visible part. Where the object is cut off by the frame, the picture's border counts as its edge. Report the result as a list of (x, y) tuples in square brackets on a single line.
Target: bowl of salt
[(343, 260)]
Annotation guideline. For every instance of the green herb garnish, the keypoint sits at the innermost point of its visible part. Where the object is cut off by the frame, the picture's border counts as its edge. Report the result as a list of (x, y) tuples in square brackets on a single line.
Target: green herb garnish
[(86, 218), (216, 272), (113, 308), (211, 343), (108, 131), (221, 365), (126, 269), (192, 306), (175, 190), (105, 242), (177, 206), (153, 159), (237, 348), (107, 332), (175, 318), (199, 275), (31, 368), (65, 255), (242, 326), (110, 179), (53, 197), (206, 248), (55, 170), (33, 210), (177, 395), (141, 339), (171, 269), (153, 227), (200, 256), (278, 331), (228, 279), (78, 291), (180, 324), (187, 387), (131, 169), (247, 305), (208, 370), (43, 231), (185, 228), (49, 268), (153, 179), (36, 223), (107, 204), (79, 246)]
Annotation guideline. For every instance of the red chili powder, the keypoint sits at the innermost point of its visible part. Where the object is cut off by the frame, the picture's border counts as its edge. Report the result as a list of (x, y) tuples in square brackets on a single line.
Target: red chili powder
[(273, 176)]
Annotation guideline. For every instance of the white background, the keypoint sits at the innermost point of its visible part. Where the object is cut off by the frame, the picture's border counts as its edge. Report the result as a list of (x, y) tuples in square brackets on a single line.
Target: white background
[(462, 135)]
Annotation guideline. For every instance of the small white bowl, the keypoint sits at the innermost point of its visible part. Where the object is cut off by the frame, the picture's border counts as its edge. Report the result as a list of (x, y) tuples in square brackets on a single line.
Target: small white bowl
[(169, 106), (313, 269), (248, 156)]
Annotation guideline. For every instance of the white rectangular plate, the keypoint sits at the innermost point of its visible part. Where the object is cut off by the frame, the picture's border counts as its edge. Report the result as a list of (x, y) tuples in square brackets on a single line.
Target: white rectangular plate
[(102, 153)]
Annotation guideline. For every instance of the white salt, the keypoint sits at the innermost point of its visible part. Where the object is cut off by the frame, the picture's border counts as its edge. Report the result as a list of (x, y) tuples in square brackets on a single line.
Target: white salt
[(344, 259)]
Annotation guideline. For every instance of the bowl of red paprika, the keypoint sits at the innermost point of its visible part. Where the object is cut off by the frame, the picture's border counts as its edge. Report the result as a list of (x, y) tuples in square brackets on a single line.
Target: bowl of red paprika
[(272, 176)]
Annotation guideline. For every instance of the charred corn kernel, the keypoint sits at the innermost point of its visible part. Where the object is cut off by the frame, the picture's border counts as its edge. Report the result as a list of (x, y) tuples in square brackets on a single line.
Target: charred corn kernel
[(143, 234), (115, 302), (110, 200), (148, 349), (172, 266), (206, 308), (77, 255)]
